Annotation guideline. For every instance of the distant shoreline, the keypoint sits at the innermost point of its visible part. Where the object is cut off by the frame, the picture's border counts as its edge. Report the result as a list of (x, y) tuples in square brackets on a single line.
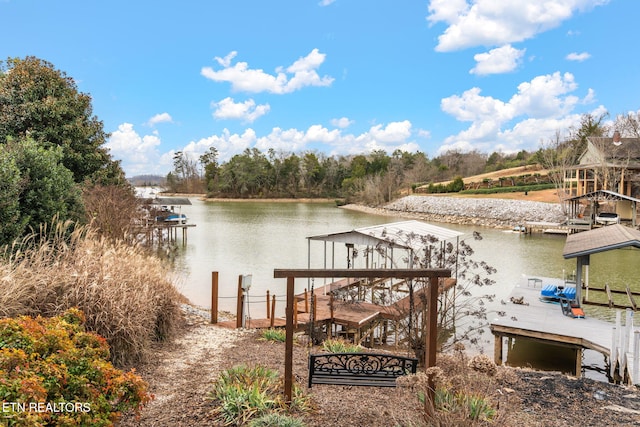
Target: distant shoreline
[(271, 200)]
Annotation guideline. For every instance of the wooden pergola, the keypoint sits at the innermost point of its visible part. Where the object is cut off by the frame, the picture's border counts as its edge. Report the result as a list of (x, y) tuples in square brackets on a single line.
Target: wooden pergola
[(432, 274)]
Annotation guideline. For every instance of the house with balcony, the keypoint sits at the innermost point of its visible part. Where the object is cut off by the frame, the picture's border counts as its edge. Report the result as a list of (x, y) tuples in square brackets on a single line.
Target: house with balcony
[(606, 180)]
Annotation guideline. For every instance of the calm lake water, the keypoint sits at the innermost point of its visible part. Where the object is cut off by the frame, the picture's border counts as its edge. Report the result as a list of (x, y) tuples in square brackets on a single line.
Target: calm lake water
[(237, 238)]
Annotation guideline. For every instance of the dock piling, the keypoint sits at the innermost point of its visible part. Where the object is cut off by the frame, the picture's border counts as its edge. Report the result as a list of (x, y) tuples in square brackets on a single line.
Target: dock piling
[(214, 297)]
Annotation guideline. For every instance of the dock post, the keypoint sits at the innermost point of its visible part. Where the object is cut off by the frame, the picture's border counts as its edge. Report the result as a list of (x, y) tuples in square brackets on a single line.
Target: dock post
[(268, 310), (214, 297), (239, 304), (578, 362), (432, 340), (273, 311), (288, 350), (497, 350)]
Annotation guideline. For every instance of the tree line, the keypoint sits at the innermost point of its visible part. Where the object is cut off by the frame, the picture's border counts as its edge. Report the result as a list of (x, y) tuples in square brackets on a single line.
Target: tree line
[(372, 178), (376, 177)]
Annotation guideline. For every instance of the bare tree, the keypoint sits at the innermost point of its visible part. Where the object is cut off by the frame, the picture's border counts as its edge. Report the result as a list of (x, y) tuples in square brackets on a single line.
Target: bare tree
[(558, 156), (628, 124)]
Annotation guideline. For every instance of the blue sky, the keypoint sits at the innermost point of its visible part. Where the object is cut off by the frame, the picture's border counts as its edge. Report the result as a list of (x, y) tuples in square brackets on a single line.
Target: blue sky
[(333, 76)]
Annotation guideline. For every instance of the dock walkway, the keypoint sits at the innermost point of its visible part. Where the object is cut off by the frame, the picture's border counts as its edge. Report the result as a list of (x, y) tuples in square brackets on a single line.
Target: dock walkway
[(542, 321)]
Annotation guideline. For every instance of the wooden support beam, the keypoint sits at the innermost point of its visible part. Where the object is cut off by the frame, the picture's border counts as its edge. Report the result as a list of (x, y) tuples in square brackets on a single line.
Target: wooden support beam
[(432, 336), (578, 362), (497, 350), (214, 297), (288, 349), (239, 303), (268, 303)]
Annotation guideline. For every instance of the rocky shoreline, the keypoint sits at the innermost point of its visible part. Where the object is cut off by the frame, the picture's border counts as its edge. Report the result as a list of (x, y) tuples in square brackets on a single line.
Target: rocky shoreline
[(486, 212)]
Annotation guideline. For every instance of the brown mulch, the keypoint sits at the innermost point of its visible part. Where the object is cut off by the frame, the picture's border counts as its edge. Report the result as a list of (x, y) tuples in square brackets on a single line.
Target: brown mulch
[(182, 374)]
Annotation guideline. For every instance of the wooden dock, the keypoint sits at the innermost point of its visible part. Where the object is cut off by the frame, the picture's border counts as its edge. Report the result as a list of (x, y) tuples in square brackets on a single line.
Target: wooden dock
[(530, 227), (355, 318), (529, 317)]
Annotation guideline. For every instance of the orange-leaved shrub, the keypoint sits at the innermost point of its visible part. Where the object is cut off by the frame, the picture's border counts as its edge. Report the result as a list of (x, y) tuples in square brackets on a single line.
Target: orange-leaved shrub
[(53, 373)]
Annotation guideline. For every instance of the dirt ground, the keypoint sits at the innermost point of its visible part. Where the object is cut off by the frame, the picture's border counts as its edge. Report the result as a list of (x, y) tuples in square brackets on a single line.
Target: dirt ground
[(182, 374)]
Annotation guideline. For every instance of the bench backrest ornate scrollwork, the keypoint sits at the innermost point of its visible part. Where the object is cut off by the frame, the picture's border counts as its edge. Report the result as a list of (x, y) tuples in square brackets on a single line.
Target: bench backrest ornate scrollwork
[(359, 369)]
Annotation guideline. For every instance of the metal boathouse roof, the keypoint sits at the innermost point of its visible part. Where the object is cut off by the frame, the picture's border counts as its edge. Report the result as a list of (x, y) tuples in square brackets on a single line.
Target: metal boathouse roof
[(601, 239), (403, 234)]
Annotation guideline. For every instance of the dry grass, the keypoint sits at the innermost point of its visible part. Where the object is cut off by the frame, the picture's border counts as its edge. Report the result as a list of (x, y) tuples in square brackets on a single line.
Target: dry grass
[(468, 392), (126, 294)]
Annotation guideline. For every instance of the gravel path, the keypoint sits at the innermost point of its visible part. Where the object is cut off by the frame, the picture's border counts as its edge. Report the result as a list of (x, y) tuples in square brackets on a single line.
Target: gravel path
[(489, 212)]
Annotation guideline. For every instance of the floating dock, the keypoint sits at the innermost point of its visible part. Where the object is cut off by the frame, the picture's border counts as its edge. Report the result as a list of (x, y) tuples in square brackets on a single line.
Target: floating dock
[(524, 315)]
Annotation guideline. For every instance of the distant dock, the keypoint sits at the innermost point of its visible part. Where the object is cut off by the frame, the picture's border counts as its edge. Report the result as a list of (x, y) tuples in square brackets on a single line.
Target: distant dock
[(531, 227)]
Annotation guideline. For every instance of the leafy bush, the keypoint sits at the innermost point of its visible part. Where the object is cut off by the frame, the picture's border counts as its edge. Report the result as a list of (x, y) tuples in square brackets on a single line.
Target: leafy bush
[(276, 420), (512, 189), (242, 393), (275, 335), (340, 346), (472, 407), (453, 187), (53, 372)]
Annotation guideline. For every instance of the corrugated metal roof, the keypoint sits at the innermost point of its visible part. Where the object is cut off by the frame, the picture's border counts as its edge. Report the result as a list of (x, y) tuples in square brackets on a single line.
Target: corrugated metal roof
[(171, 201), (601, 239), (403, 234), (604, 195)]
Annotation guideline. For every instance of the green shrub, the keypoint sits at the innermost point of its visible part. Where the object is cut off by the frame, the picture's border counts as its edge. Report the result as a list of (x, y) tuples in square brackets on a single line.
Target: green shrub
[(53, 372), (340, 346), (511, 189), (472, 407), (242, 394), (275, 335), (276, 420)]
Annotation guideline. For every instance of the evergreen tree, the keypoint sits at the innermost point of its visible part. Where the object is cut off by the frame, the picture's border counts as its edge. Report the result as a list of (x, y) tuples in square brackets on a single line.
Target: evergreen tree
[(42, 103)]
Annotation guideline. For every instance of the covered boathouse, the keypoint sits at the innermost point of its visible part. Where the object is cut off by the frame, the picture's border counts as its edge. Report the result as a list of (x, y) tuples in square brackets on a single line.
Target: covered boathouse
[(526, 316)]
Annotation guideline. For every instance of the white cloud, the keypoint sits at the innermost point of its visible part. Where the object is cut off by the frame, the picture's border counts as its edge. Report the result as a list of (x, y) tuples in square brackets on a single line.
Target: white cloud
[(574, 56), (246, 111), (160, 118), (301, 73), (539, 108), (500, 60), (139, 154), (342, 122), (326, 2), (395, 135), (227, 144), (494, 23)]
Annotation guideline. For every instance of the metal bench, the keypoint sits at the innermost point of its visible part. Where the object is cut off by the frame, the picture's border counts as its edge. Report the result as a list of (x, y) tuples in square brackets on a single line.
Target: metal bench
[(359, 369)]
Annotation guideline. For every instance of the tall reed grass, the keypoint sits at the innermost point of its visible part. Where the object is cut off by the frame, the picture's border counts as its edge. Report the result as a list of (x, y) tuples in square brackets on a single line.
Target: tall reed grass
[(126, 294)]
